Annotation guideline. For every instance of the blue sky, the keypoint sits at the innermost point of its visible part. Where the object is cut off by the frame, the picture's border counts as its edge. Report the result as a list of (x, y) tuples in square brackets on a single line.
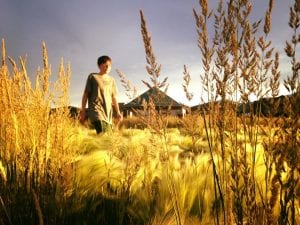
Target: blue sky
[(81, 30)]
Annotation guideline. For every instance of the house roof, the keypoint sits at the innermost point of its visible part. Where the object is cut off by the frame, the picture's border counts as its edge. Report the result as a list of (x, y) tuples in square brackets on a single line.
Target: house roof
[(160, 99)]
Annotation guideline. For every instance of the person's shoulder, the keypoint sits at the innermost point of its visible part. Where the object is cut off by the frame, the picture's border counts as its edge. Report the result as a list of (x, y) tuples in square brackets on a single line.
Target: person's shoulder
[(91, 75)]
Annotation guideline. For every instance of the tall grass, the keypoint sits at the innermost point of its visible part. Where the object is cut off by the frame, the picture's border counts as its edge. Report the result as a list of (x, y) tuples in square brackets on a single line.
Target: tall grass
[(129, 169), (214, 167), (35, 141), (239, 63)]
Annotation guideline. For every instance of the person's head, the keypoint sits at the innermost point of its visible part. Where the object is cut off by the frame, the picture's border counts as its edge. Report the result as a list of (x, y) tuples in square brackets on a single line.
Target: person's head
[(104, 64)]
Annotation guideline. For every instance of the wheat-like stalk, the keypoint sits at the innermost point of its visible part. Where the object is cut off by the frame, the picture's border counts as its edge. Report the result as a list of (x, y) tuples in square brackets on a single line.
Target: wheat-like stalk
[(3, 172), (153, 68), (131, 92), (185, 85)]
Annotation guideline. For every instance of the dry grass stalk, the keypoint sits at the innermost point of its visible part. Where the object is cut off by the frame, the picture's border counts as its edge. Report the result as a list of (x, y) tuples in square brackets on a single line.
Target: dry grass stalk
[(38, 208), (153, 68), (3, 53), (234, 67), (156, 121), (287, 150), (185, 85), (36, 146), (208, 51), (131, 92), (2, 172)]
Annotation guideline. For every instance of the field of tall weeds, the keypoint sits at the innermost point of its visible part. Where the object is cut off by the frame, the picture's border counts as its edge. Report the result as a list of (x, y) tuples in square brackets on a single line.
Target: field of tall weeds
[(215, 166)]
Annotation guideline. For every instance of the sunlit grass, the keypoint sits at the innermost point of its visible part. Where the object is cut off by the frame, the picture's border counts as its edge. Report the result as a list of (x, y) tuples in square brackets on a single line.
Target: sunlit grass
[(212, 167), (130, 163)]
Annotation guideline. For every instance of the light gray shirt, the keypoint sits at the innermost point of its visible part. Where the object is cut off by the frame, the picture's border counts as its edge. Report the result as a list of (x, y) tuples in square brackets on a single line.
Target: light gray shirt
[(100, 90)]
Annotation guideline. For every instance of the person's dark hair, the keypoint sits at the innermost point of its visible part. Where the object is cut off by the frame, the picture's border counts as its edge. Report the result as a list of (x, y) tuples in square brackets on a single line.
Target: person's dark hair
[(103, 59)]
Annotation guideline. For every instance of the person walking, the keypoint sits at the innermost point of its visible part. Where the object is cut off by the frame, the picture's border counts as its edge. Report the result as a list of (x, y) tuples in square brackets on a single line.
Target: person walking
[(101, 94)]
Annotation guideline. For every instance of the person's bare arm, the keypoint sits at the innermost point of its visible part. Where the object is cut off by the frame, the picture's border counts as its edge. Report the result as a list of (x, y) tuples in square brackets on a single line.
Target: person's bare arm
[(83, 105)]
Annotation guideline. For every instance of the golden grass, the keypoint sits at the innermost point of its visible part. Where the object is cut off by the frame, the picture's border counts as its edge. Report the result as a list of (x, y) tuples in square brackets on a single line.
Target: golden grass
[(216, 167), (37, 143)]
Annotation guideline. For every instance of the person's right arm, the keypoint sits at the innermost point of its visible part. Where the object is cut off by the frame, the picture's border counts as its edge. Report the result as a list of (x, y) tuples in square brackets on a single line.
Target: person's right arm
[(83, 105)]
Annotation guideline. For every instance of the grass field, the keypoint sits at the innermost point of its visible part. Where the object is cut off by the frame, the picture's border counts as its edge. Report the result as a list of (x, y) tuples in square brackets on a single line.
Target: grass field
[(213, 167)]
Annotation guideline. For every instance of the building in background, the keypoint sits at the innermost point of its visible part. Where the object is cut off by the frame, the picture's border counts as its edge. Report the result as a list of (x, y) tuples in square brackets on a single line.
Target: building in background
[(163, 103)]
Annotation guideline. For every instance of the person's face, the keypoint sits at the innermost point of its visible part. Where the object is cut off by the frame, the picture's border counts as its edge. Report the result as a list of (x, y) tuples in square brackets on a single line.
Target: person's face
[(105, 67)]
